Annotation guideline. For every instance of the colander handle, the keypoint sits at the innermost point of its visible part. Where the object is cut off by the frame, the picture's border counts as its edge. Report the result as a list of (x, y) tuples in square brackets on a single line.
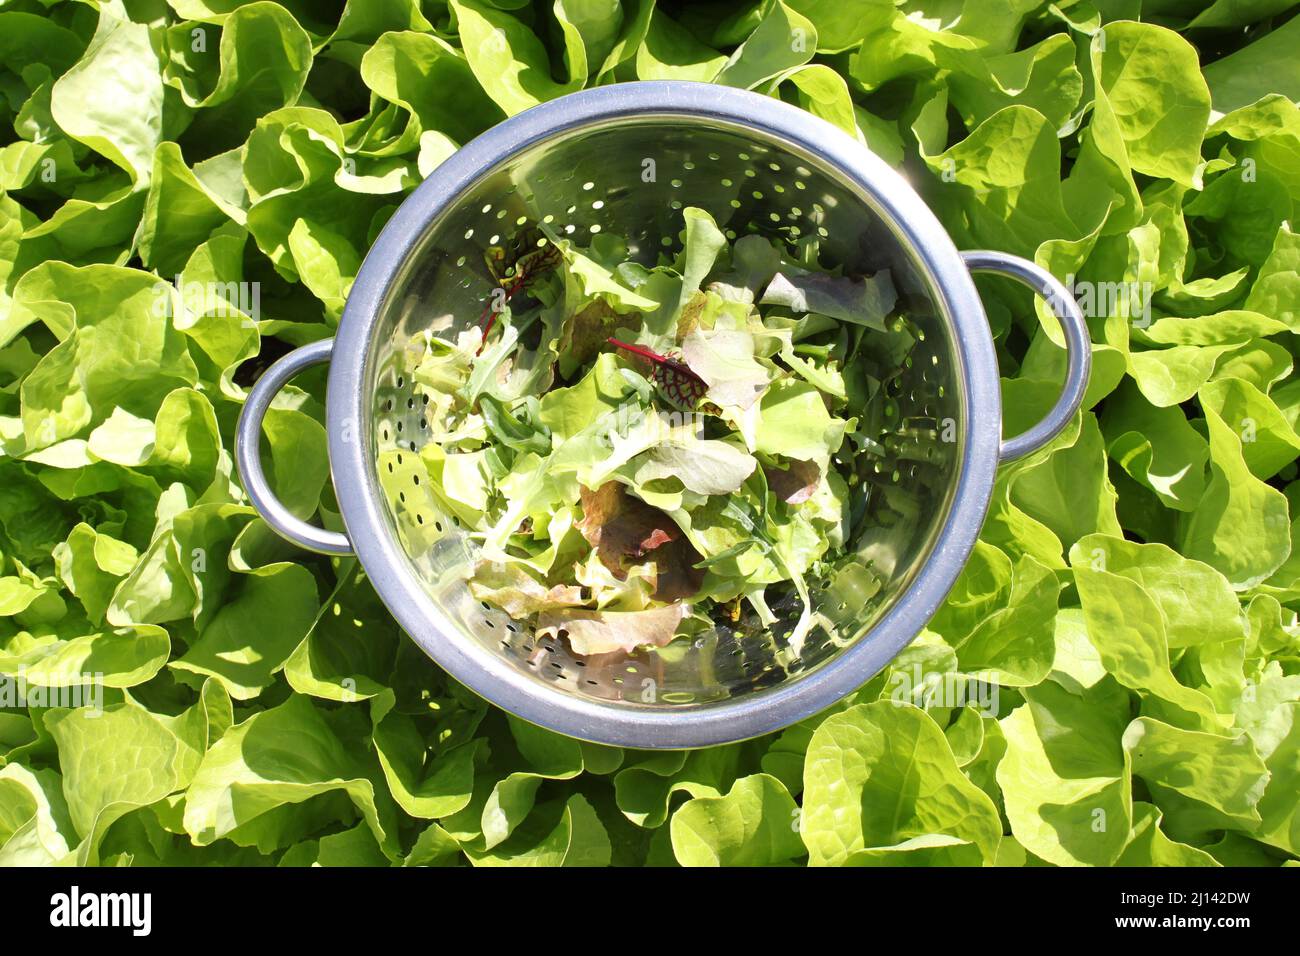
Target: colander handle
[(1078, 350), (248, 437)]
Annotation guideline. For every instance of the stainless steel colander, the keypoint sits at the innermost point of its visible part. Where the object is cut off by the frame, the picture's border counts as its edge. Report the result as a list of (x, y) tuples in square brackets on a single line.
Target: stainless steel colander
[(625, 160)]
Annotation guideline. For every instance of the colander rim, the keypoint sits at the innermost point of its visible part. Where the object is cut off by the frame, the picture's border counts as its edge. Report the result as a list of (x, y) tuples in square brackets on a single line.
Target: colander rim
[(354, 467)]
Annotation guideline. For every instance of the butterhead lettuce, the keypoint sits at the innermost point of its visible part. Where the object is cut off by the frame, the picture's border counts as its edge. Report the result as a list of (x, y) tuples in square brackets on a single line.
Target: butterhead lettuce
[(187, 190)]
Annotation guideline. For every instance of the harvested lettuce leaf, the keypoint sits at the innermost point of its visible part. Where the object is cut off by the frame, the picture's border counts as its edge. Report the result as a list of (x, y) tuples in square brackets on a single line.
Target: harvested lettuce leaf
[(705, 466), (862, 302), (725, 359), (796, 483), (621, 527), (603, 632), (518, 593)]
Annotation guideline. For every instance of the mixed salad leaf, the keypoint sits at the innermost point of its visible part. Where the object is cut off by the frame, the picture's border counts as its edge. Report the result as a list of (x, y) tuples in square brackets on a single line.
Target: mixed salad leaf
[(692, 447), (187, 189)]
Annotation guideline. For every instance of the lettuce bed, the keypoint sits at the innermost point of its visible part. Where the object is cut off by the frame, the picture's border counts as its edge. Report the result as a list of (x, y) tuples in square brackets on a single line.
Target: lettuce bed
[(186, 191)]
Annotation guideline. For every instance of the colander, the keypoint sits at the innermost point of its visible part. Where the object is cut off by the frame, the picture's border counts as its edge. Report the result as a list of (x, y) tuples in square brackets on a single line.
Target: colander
[(626, 159)]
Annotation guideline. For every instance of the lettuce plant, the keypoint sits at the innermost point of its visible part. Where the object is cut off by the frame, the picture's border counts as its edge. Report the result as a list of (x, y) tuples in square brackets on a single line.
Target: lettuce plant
[(187, 190)]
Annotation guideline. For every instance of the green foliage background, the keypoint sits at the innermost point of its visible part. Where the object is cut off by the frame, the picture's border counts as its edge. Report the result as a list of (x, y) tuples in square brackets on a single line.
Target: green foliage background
[(1133, 592)]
